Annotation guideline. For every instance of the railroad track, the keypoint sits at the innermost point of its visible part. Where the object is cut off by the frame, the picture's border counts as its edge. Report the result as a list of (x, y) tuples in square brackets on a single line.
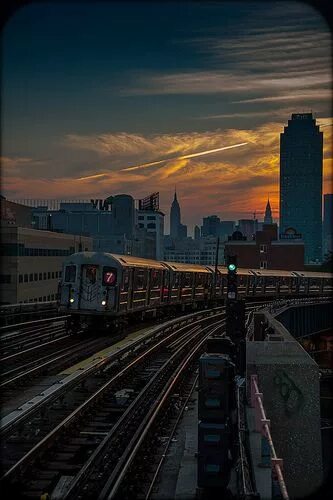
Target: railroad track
[(102, 409), (22, 445)]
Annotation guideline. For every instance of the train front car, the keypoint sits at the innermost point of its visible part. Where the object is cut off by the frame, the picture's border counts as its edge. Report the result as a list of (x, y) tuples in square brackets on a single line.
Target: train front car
[(89, 289)]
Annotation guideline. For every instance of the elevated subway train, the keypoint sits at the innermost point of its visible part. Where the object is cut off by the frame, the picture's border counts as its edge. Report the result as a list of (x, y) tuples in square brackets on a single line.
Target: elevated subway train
[(97, 287)]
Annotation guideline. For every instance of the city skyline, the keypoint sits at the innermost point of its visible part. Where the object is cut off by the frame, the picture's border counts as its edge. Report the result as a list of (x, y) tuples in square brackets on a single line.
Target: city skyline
[(116, 92)]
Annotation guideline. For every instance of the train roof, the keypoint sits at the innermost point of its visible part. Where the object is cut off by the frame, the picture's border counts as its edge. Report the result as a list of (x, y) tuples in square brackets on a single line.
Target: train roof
[(271, 272), (105, 258), (313, 274), (186, 268), (130, 261)]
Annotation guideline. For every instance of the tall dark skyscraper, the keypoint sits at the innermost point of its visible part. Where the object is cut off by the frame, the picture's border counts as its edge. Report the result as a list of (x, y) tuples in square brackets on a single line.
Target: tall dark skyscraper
[(175, 218), (328, 224), (301, 176)]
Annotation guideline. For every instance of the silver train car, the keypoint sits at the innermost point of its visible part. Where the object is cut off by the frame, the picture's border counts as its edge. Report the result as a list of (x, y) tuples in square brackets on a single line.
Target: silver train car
[(98, 286)]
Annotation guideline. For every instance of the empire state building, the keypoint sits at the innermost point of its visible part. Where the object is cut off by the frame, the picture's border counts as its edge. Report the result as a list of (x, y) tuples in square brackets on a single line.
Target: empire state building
[(175, 218)]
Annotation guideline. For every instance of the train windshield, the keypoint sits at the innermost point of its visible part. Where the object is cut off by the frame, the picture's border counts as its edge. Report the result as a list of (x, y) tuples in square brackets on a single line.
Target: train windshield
[(109, 276), (70, 274)]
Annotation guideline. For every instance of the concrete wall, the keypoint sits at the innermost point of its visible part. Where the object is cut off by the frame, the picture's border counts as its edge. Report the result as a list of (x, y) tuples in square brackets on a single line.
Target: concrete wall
[(289, 381)]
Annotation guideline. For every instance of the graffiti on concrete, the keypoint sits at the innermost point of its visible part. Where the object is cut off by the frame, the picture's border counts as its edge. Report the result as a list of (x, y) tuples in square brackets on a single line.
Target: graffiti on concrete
[(291, 395)]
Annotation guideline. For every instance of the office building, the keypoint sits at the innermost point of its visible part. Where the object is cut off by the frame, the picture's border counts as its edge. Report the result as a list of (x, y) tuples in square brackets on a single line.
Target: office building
[(247, 227), (31, 262), (226, 229), (15, 214), (191, 251), (210, 226), (328, 224), (196, 233), (301, 172), (123, 215), (153, 222), (266, 251)]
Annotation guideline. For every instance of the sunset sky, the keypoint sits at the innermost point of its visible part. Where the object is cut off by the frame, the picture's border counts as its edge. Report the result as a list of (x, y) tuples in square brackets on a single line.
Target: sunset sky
[(95, 88)]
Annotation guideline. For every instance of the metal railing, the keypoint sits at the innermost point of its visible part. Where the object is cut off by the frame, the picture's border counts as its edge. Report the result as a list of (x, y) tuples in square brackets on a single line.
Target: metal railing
[(268, 453)]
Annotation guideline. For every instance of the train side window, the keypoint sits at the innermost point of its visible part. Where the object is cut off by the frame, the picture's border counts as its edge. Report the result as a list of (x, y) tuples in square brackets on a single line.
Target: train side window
[(109, 276), (70, 274), (40, 276), (186, 280), (26, 278), (155, 278), (140, 279), (20, 278), (166, 278), (176, 280), (125, 280)]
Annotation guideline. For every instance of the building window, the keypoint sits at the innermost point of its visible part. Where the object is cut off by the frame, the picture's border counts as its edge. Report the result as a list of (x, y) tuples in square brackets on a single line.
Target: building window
[(263, 264), (141, 217), (151, 225), (263, 248), (40, 276), (20, 278), (151, 217), (141, 225)]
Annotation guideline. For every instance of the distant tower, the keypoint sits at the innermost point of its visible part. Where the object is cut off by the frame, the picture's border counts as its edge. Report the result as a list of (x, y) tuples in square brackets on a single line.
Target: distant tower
[(175, 218), (196, 232), (301, 177), (268, 214)]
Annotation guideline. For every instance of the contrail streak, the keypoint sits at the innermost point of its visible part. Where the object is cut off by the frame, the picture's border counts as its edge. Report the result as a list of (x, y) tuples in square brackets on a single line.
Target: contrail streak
[(90, 177), (184, 157), (153, 163)]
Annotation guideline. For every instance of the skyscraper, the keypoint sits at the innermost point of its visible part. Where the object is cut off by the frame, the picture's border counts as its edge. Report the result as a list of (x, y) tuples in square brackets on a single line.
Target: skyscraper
[(301, 173), (210, 226), (328, 223), (175, 218), (268, 214)]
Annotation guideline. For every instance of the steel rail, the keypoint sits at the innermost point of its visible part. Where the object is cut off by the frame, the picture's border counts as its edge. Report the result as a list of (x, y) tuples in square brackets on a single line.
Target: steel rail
[(168, 443), (81, 476), (40, 367), (26, 324), (126, 459), (39, 346), (109, 360), (86, 404)]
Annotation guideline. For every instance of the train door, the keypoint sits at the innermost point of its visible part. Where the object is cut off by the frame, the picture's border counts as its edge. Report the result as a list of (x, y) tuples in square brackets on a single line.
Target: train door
[(89, 287)]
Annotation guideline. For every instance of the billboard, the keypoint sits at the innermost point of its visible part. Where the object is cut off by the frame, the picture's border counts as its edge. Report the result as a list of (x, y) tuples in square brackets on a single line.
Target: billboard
[(151, 202)]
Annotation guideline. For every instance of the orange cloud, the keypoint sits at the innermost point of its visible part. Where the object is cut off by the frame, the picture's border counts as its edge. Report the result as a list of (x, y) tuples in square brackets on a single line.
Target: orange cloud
[(232, 185)]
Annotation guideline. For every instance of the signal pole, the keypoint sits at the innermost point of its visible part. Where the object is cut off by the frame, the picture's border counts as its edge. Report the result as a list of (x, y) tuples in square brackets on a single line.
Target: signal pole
[(235, 314)]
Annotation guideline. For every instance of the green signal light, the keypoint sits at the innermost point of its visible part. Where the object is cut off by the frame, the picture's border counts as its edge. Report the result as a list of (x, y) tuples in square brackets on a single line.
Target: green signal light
[(231, 267)]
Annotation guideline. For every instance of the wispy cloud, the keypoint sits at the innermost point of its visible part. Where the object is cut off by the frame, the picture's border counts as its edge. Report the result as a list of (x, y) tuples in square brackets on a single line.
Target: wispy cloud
[(232, 185)]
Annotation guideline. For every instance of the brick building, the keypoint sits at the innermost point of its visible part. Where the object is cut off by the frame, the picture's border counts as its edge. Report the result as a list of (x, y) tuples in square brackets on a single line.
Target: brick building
[(266, 251)]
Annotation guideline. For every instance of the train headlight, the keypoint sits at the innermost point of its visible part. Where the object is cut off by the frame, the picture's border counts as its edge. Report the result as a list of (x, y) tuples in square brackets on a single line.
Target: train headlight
[(71, 300), (231, 267), (103, 302)]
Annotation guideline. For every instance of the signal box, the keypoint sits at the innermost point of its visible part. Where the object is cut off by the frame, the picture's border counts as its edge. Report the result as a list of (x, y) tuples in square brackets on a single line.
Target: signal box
[(216, 374)]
